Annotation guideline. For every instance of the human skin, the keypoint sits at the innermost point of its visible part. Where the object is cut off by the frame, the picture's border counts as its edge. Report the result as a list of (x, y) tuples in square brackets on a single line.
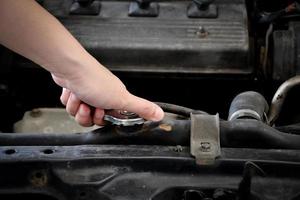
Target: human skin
[(28, 29)]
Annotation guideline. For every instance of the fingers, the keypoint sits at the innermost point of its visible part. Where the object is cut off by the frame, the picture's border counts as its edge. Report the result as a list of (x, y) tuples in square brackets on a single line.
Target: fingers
[(74, 107), (98, 117), (81, 111), (65, 96), (72, 104), (83, 116), (144, 108)]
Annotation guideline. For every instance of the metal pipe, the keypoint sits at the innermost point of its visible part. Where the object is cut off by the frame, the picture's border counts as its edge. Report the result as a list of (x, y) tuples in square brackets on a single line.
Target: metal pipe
[(279, 98)]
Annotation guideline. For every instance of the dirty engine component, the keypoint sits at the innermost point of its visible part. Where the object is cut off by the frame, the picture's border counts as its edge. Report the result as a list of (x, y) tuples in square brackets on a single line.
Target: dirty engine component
[(170, 42)]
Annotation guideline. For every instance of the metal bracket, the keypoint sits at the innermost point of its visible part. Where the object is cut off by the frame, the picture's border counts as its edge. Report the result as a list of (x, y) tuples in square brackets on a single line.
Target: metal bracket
[(205, 138)]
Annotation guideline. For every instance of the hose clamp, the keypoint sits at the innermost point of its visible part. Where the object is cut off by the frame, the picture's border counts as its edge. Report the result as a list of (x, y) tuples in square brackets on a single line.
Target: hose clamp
[(205, 138), (245, 113)]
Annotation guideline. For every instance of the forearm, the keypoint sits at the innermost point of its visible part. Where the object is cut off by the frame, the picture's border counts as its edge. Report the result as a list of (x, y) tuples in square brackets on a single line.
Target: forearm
[(28, 29)]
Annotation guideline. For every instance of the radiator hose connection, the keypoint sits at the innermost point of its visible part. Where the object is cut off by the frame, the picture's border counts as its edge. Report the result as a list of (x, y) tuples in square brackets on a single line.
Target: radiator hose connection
[(248, 105)]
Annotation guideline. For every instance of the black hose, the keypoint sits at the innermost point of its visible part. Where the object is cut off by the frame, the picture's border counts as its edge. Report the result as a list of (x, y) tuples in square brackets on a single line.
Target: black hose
[(255, 134), (291, 129), (248, 105), (179, 110), (235, 134), (167, 132)]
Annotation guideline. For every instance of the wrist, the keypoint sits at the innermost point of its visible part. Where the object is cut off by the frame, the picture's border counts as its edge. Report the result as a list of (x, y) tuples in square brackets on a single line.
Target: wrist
[(73, 68)]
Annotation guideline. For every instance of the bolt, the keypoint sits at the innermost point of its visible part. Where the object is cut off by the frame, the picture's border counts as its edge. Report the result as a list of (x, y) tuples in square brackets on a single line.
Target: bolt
[(205, 146), (201, 32)]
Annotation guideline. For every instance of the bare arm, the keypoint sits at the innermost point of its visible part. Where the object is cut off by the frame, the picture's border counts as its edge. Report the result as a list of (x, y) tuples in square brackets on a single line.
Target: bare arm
[(28, 29)]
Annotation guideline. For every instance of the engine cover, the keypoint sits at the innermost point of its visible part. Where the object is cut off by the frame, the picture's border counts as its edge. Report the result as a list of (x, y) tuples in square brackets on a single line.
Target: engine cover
[(169, 43)]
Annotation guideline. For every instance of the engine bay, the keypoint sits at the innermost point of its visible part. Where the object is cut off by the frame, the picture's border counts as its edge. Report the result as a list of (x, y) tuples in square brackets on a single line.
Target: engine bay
[(224, 72)]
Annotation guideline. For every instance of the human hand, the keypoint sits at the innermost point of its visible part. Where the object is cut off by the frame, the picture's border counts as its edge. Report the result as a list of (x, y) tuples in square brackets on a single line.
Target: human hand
[(87, 96), (39, 36)]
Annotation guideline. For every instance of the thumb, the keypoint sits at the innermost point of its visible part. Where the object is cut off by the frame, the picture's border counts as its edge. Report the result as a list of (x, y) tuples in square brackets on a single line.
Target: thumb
[(144, 108)]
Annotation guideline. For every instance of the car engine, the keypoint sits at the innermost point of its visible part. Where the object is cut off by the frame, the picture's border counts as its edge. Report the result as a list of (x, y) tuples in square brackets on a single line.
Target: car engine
[(224, 71)]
